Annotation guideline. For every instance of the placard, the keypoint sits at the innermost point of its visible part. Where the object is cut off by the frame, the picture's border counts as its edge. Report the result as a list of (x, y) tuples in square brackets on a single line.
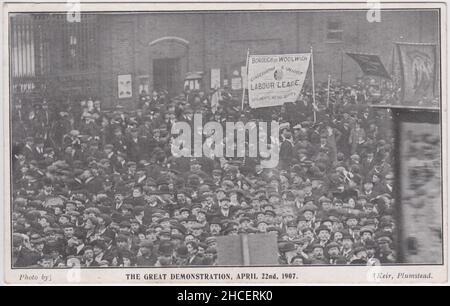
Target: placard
[(247, 249), (420, 191), (124, 86), (215, 78), (236, 83)]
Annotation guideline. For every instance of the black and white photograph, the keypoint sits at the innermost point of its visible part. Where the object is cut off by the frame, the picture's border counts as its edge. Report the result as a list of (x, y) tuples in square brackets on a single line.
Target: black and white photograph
[(223, 136)]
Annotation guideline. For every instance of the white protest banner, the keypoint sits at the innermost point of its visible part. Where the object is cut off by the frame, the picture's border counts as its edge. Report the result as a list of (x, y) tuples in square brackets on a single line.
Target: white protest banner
[(276, 79)]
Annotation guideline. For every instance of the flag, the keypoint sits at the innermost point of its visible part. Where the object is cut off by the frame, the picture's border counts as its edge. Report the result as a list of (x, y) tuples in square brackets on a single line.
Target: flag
[(418, 71), (276, 79), (370, 64)]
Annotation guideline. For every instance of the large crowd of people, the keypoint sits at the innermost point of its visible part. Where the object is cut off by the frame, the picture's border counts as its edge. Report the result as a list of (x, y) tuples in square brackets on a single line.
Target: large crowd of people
[(94, 187)]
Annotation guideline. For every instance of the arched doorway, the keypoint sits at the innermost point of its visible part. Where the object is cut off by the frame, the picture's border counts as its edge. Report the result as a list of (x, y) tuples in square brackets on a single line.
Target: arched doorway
[(169, 62)]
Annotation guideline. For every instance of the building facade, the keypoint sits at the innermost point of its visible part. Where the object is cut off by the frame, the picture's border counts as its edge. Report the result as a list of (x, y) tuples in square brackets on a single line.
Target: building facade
[(157, 50)]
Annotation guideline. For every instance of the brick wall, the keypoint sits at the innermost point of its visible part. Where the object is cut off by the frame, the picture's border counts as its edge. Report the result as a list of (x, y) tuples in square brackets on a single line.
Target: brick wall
[(219, 40)]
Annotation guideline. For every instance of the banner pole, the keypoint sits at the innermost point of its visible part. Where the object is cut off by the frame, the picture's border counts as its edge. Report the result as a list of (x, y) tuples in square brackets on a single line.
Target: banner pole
[(381, 87), (342, 64), (313, 86), (328, 91), (393, 61), (246, 71)]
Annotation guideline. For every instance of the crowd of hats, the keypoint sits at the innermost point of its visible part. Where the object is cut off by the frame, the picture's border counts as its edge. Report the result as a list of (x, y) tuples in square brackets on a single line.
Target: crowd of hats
[(100, 188)]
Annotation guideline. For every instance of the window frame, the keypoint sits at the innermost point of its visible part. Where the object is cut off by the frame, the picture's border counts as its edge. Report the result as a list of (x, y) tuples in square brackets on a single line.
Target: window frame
[(339, 30)]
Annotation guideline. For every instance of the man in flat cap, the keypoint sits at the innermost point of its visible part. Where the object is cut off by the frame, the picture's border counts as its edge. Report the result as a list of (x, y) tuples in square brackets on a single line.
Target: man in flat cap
[(146, 256), (194, 258)]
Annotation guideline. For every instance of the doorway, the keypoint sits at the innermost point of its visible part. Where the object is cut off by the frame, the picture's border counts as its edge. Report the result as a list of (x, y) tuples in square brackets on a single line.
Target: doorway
[(167, 75)]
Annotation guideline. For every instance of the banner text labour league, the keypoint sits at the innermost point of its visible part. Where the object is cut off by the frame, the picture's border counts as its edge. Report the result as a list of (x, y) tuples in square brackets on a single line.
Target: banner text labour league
[(270, 85)]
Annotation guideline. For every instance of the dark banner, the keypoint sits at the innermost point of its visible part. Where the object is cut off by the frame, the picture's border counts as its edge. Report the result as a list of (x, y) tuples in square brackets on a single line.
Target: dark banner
[(418, 72), (370, 64)]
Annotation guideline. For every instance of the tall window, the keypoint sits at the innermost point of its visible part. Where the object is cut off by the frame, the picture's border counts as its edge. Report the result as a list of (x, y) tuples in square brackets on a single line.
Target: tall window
[(22, 47), (44, 44), (334, 31), (48, 51), (79, 44)]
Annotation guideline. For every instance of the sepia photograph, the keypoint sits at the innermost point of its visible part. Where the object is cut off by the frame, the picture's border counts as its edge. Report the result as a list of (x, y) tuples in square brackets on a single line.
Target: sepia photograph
[(194, 138)]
